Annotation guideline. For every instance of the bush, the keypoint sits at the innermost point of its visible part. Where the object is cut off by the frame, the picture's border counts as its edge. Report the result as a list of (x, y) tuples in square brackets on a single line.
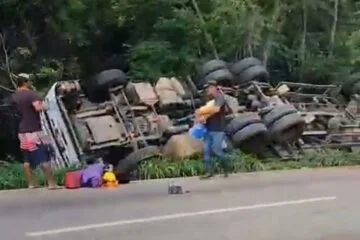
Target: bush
[(12, 177)]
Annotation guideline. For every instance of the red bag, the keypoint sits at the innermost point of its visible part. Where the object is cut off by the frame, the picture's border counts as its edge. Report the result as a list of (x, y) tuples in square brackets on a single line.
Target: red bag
[(73, 180)]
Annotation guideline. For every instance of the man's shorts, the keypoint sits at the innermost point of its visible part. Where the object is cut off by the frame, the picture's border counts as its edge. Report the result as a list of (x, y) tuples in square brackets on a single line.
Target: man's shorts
[(35, 147), (37, 157)]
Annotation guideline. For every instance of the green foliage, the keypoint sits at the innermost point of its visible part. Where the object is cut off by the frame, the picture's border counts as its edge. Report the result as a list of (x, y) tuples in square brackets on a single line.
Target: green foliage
[(12, 177), (308, 41), (313, 41)]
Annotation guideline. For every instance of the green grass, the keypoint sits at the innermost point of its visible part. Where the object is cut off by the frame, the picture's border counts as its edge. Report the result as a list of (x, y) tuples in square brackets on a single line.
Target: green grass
[(12, 177), (163, 168)]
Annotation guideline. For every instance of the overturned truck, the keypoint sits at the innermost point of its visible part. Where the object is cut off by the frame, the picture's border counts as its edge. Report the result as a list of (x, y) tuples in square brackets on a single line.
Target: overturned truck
[(125, 122), (286, 119), (111, 118)]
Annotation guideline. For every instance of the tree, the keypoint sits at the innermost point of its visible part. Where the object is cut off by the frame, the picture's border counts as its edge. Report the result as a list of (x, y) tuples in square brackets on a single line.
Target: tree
[(310, 41)]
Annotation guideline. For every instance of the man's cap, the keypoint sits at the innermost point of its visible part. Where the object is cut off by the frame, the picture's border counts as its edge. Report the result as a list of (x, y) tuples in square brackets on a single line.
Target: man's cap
[(210, 83), (24, 75)]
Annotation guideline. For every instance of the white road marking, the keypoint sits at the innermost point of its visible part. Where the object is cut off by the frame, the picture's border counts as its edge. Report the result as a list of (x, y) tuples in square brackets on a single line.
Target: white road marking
[(176, 216)]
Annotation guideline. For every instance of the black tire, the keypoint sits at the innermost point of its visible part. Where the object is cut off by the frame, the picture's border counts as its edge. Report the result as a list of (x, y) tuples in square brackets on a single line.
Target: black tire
[(265, 110), (256, 144), (240, 122), (131, 161), (212, 66), (248, 132), (277, 113), (242, 65), (287, 129), (221, 76), (255, 73), (96, 89), (110, 78)]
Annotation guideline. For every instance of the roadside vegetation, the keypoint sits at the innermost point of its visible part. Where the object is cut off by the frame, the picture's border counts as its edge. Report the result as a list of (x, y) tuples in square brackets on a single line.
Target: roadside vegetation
[(12, 177), (302, 41)]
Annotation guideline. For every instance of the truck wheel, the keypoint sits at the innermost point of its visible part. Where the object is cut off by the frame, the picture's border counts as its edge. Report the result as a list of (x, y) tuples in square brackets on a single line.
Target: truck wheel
[(255, 73), (242, 65), (248, 132), (212, 66), (221, 76), (276, 113), (97, 88), (110, 78), (239, 122), (289, 128), (131, 161)]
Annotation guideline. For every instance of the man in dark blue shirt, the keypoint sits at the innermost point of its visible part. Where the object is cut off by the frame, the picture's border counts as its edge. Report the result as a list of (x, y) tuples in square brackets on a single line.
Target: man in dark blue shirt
[(215, 125)]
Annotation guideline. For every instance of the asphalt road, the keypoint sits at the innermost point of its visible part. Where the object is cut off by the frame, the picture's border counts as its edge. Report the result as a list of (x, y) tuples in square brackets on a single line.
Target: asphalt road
[(304, 204)]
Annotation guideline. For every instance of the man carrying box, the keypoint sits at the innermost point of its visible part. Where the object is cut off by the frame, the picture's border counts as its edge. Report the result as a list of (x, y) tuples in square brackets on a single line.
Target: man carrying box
[(213, 115)]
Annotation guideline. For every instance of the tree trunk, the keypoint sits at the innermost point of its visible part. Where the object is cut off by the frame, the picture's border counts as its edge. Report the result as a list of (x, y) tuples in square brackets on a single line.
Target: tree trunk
[(334, 26), (303, 39), (249, 39), (207, 35), (7, 63), (274, 19)]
